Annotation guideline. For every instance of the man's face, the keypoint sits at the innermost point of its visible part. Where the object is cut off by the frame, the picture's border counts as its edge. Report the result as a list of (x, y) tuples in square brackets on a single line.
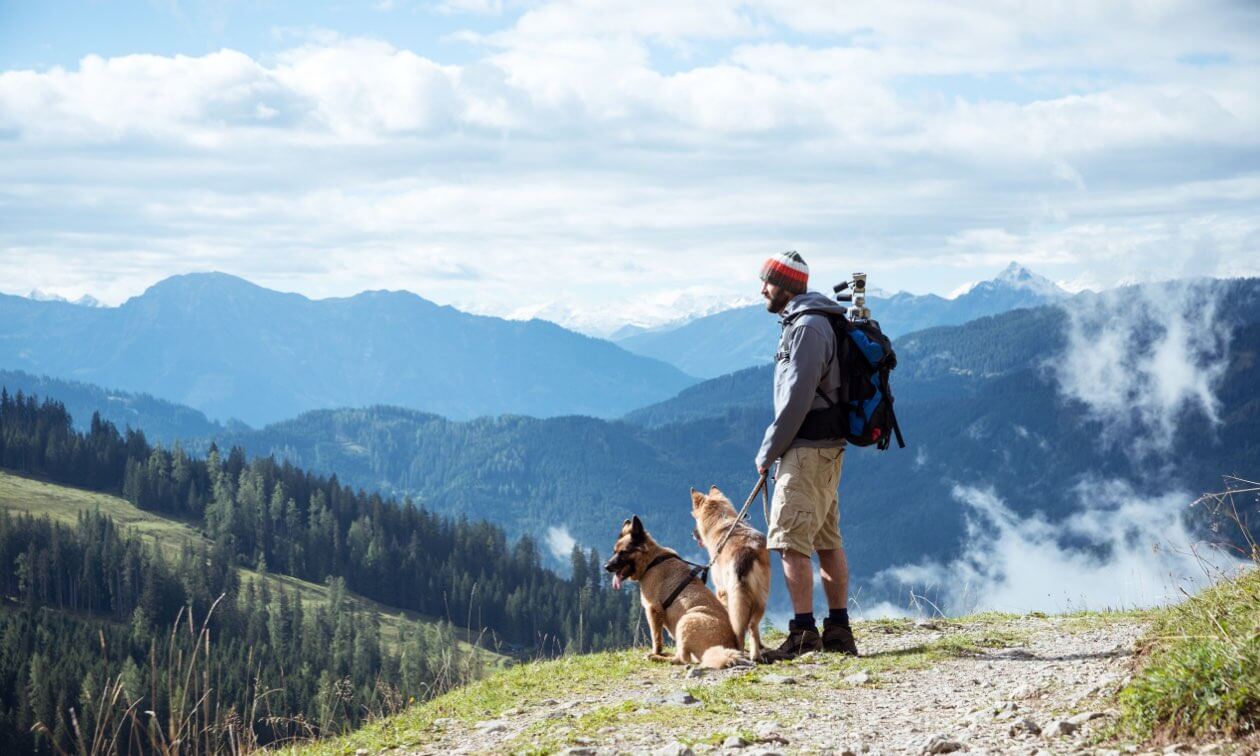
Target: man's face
[(776, 297)]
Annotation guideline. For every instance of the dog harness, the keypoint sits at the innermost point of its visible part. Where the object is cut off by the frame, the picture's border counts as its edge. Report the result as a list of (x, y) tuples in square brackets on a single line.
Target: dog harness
[(693, 574), (701, 571)]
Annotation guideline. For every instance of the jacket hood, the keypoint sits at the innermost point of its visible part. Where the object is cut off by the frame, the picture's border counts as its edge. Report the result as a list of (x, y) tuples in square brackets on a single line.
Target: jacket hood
[(812, 300)]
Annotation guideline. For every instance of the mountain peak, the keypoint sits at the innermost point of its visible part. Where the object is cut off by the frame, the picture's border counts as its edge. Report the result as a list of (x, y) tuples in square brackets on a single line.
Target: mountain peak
[(193, 287), (1015, 277)]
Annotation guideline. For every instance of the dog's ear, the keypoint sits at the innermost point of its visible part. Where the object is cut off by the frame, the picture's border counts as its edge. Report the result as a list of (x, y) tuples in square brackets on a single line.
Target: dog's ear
[(714, 491), (697, 498), (636, 529)]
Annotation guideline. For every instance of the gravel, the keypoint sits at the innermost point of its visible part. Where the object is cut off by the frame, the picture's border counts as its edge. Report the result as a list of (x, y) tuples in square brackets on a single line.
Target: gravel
[(991, 702)]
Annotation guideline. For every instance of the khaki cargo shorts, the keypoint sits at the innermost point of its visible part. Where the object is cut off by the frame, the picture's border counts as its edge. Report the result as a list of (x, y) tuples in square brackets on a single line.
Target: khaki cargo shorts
[(805, 511)]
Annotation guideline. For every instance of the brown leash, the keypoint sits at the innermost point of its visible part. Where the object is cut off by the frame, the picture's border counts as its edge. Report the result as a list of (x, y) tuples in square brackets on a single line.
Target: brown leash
[(760, 488)]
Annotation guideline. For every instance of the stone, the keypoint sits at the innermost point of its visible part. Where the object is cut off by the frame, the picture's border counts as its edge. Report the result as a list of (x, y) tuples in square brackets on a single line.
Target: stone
[(942, 744), (674, 749), (778, 679), (583, 741), (580, 751), (1015, 653), (1058, 728), (362, 752), (858, 678), (1024, 726), (695, 672), (734, 741), (493, 725), (1083, 717), (677, 698), (1025, 692), (926, 624)]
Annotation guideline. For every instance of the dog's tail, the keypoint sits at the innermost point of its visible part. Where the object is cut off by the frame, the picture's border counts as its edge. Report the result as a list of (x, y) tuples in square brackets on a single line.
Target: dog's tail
[(721, 657)]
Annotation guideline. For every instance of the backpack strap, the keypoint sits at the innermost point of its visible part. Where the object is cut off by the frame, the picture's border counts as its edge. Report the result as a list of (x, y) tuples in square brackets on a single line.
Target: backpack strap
[(835, 359)]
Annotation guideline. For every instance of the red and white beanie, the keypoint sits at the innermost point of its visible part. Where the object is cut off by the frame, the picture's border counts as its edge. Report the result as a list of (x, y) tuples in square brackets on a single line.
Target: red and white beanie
[(788, 271)]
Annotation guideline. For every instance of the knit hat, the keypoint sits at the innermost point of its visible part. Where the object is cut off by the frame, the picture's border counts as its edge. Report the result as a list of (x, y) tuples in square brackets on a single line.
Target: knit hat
[(788, 271)]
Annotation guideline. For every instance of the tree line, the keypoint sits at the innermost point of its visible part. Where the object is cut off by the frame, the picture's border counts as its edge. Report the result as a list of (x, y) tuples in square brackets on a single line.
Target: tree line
[(269, 516)]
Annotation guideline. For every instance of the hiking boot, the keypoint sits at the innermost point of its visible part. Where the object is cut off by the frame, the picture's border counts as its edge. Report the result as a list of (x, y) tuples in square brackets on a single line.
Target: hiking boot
[(838, 637), (800, 640)]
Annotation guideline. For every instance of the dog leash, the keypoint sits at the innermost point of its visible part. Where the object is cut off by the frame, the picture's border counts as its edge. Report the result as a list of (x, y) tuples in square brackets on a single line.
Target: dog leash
[(760, 488)]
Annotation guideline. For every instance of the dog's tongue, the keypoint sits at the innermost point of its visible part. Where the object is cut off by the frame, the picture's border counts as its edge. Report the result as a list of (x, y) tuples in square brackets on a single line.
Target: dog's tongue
[(616, 582)]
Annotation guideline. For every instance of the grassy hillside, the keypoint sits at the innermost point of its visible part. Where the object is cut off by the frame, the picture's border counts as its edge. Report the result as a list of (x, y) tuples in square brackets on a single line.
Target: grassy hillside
[(62, 503)]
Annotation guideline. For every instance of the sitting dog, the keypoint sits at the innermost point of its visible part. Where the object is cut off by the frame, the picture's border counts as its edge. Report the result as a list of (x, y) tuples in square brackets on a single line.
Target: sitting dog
[(674, 599), (741, 571)]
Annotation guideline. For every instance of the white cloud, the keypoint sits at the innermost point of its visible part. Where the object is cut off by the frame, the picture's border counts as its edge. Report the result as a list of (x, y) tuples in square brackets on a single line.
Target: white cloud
[(1139, 359), (560, 542), (647, 148), (1119, 551)]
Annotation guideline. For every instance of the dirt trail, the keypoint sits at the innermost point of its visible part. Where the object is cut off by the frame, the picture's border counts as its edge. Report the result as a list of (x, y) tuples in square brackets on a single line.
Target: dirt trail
[(1014, 685)]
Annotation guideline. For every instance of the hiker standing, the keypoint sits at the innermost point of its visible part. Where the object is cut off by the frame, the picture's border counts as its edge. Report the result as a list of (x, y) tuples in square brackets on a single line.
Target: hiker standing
[(805, 513)]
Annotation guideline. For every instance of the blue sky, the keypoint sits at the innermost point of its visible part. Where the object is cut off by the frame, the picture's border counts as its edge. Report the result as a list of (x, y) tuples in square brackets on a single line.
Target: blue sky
[(599, 161)]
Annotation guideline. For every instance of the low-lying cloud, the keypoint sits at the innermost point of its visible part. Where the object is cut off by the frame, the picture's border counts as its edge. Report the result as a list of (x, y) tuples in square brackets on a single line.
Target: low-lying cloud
[(1120, 550), (560, 542), (1139, 359)]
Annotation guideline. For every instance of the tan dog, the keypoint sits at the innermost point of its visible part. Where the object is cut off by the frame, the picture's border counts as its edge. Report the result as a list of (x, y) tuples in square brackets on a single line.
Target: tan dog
[(695, 618), (741, 571)]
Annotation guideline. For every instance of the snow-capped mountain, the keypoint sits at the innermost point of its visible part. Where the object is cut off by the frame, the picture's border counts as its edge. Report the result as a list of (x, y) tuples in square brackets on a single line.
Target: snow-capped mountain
[(745, 336), (1015, 277), (648, 313), (87, 300)]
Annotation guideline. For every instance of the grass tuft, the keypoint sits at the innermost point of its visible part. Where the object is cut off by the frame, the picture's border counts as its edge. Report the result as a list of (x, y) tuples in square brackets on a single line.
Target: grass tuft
[(1202, 670)]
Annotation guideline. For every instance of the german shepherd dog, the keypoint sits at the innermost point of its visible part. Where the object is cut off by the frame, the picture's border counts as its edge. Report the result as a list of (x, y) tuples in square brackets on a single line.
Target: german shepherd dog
[(741, 572), (695, 619)]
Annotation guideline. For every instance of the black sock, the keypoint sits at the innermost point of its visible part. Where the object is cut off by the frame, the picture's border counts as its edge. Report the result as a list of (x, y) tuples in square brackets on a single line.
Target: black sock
[(838, 617), (804, 621)]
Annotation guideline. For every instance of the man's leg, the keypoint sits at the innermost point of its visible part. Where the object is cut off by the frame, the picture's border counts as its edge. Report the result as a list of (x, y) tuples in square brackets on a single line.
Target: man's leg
[(835, 577), (798, 573), (792, 529), (834, 567)]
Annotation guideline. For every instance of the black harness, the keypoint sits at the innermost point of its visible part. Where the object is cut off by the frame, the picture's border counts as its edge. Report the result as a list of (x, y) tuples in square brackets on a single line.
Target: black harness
[(694, 574)]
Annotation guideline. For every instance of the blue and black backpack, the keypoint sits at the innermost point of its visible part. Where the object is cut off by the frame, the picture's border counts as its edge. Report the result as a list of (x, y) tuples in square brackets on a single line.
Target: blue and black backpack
[(863, 414)]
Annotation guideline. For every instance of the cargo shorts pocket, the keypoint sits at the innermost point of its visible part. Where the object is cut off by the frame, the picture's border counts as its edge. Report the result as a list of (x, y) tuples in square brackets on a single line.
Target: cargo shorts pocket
[(792, 528)]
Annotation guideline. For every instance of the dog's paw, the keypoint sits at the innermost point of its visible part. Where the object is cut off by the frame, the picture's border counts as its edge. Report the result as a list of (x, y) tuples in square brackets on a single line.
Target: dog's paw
[(656, 657)]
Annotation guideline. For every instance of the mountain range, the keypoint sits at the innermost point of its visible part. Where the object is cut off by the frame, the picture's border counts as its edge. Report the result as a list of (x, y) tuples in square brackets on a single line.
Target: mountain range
[(231, 349), (980, 403), (733, 339)]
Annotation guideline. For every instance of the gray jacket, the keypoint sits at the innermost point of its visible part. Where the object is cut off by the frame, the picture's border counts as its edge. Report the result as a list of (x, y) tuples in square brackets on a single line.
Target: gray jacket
[(804, 363)]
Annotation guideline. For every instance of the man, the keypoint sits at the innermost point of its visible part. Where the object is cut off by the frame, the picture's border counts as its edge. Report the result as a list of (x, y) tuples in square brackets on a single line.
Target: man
[(805, 514)]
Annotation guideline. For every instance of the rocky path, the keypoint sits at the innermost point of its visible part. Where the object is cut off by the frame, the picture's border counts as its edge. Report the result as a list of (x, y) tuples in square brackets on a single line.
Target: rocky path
[(1030, 685)]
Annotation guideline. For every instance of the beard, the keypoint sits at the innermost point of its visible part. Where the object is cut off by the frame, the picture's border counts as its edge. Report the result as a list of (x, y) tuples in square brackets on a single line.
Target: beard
[(776, 303)]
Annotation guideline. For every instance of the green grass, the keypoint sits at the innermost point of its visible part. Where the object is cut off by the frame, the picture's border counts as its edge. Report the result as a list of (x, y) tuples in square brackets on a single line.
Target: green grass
[(1201, 671), (63, 504)]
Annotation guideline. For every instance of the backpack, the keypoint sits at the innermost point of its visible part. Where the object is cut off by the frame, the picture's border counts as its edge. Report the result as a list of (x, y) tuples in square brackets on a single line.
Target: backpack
[(863, 413)]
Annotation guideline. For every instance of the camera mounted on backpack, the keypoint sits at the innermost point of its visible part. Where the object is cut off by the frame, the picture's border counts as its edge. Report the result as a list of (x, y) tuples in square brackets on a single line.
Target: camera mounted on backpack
[(859, 310)]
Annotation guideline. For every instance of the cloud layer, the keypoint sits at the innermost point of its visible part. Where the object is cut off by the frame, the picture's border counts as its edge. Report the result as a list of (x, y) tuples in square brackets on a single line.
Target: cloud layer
[(595, 152), (1119, 551)]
